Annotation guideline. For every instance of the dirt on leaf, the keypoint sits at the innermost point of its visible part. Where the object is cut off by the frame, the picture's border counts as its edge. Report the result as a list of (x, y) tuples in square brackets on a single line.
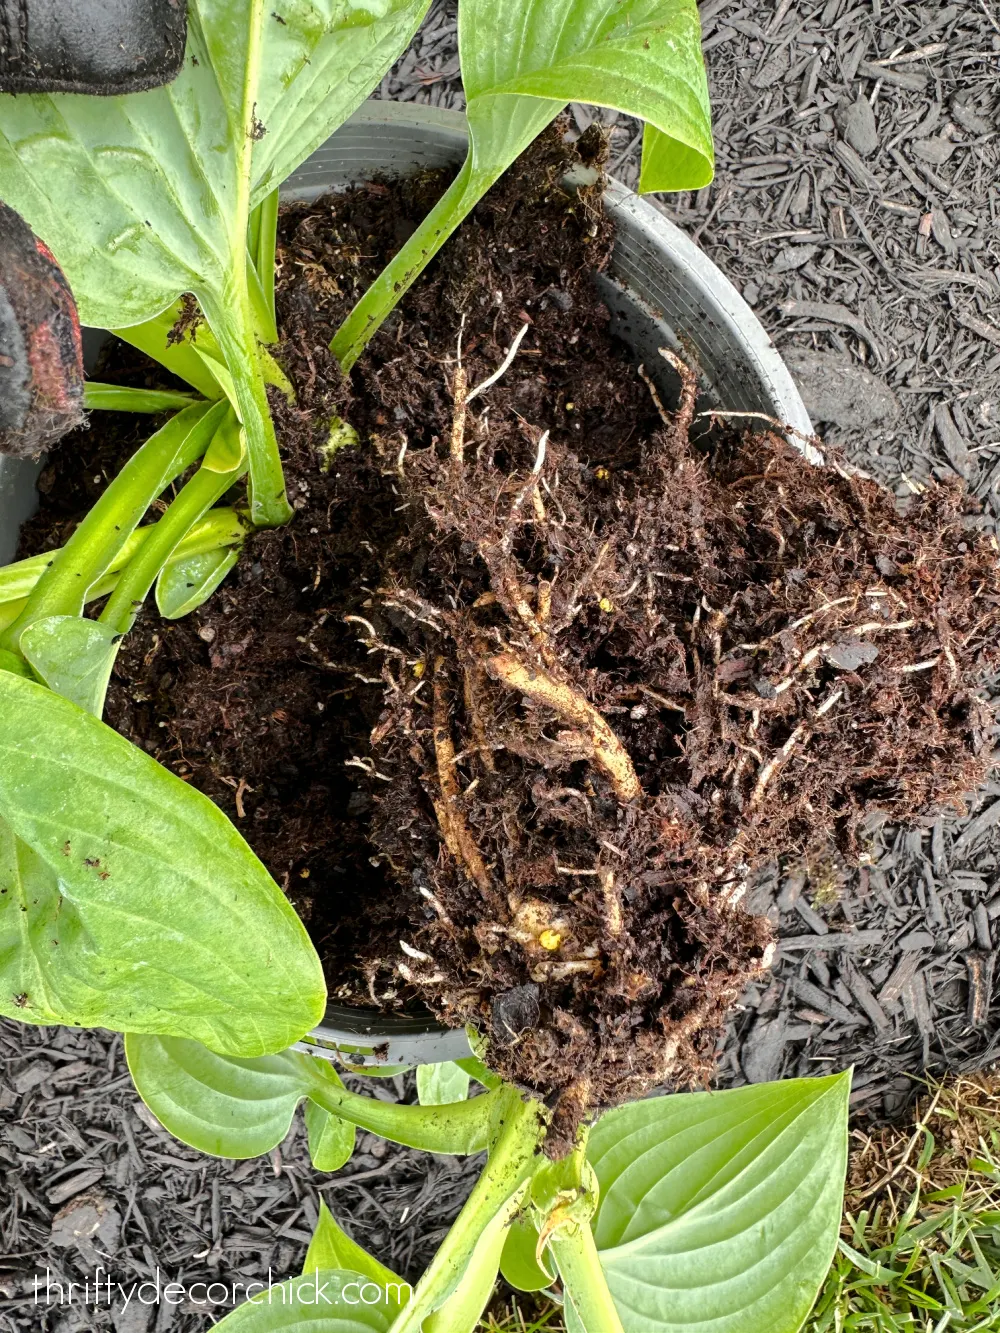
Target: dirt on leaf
[(533, 680)]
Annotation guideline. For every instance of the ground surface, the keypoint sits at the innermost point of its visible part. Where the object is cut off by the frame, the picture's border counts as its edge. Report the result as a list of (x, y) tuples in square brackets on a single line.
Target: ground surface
[(869, 246)]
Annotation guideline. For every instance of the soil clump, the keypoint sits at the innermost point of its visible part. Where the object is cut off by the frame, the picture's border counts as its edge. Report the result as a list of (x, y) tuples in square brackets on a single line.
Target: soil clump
[(533, 681)]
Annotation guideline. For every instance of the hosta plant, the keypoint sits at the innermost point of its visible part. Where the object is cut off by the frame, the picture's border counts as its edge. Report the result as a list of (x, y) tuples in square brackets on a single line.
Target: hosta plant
[(712, 1212)]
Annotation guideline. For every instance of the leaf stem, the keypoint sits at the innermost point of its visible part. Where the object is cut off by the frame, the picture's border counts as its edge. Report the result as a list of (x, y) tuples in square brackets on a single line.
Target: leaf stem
[(232, 323), (512, 1159), (575, 1251), (117, 398), (194, 500), (495, 139), (63, 587), (458, 1127), (261, 242), (218, 529), (475, 1068), (408, 263)]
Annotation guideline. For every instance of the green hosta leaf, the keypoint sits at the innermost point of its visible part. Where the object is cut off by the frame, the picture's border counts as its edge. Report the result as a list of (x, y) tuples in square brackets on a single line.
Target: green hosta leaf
[(437, 1085), (639, 56), (320, 1302), (668, 164), (719, 1211), (162, 182), (119, 398), (331, 1143), (217, 1103), (186, 584), (74, 657), (522, 62), (331, 1247), (244, 1107), (131, 902)]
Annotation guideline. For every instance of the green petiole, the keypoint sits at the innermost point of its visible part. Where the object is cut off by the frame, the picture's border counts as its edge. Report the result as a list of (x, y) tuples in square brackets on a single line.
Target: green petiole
[(513, 1157), (64, 586), (261, 239), (120, 398), (459, 1127), (217, 530), (233, 326), (580, 1268), (196, 497), (408, 263)]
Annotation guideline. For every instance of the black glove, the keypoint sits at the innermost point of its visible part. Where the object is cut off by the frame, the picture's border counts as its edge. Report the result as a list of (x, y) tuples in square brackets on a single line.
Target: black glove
[(90, 46)]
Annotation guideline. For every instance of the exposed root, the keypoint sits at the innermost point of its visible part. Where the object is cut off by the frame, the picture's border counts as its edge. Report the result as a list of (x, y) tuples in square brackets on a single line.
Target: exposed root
[(472, 680), (461, 401), (614, 920), (801, 736), (689, 391), (654, 393), (811, 444), (454, 829), (647, 704), (503, 367), (607, 750)]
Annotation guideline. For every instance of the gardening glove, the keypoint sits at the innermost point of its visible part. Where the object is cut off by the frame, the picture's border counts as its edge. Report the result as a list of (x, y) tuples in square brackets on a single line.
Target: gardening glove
[(101, 47), (41, 356), (90, 46)]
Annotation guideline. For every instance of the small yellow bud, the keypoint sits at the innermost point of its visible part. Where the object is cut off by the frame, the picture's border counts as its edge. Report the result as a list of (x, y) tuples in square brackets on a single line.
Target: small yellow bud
[(550, 939), (606, 605), (570, 407), (304, 874), (601, 473), (419, 668)]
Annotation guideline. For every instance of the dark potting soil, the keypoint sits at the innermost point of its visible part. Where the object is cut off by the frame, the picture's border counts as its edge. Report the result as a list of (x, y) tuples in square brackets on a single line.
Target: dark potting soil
[(510, 711)]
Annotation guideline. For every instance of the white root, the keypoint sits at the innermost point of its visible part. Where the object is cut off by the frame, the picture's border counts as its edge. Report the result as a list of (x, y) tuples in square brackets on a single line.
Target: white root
[(530, 486), (653, 393), (436, 904), (360, 620), (811, 452), (803, 733), (502, 369), (366, 765), (828, 703), (416, 954)]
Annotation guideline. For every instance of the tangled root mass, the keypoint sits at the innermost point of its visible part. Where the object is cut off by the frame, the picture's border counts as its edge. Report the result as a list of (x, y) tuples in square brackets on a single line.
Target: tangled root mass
[(610, 695)]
